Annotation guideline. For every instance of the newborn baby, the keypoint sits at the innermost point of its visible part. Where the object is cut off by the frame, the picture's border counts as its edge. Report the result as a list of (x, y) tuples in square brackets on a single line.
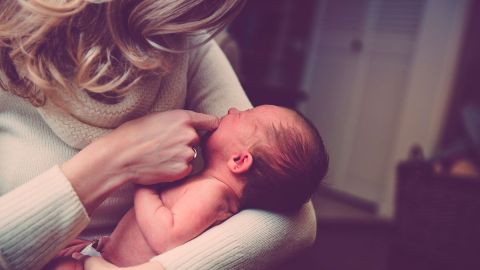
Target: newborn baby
[(268, 157)]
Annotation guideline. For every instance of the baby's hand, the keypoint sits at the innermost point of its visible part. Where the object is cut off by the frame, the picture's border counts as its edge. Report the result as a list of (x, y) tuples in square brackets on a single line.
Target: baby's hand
[(76, 245)]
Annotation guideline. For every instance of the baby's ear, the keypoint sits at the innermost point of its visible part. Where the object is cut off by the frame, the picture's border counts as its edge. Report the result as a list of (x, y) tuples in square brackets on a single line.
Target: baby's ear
[(240, 163)]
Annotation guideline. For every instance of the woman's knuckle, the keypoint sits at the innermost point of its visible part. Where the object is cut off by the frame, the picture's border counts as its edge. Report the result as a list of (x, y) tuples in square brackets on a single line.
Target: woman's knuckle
[(182, 116), (180, 166), (188, 156), (191, 134)]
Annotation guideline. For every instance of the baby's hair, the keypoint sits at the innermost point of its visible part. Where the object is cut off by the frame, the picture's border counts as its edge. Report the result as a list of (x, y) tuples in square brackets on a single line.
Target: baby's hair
[(288, 168), (98, 45)]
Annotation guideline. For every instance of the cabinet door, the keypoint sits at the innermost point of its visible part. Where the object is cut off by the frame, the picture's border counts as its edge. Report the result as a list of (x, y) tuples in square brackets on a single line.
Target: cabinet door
[(360, 58)]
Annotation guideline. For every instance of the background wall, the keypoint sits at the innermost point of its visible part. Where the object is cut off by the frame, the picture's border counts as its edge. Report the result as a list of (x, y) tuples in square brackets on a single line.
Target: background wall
[(374, 75)]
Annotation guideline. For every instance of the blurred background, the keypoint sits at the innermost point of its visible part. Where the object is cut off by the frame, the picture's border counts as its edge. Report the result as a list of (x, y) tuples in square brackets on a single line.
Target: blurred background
[(394, 88)]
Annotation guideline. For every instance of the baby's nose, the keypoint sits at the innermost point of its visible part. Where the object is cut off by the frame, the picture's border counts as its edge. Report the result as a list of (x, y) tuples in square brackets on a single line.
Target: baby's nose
[(232, 110)]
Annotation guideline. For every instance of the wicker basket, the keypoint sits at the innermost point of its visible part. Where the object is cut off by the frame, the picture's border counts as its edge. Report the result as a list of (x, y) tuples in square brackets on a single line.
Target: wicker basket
[(437, 220)]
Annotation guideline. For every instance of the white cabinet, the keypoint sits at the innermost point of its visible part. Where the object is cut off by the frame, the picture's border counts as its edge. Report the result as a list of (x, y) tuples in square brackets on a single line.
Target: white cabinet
[(359, 82)]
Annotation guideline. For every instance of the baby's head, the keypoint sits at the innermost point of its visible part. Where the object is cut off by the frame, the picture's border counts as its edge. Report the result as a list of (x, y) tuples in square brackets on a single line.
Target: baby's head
[(276, 152)]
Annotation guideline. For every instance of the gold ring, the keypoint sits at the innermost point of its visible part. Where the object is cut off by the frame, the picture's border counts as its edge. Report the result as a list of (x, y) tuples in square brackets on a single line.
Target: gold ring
[(195, 153)]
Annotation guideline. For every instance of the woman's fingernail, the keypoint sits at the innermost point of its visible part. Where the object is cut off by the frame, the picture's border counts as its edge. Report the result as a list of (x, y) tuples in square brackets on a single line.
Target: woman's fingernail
[(76, 255)]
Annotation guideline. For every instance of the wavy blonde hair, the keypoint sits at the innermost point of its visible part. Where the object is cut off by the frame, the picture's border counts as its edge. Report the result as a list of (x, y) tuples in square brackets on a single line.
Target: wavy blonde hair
[(97, 45)]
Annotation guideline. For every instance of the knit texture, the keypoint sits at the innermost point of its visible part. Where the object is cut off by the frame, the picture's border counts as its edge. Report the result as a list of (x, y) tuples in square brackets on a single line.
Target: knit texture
[(51, 202), (40, 213)]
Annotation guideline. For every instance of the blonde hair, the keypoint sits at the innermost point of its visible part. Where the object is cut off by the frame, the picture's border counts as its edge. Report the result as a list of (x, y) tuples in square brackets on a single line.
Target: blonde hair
[(97, 45)]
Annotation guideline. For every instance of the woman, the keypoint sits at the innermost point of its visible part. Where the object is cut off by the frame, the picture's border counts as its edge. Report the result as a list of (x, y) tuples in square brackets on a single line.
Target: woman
[(84, 82)]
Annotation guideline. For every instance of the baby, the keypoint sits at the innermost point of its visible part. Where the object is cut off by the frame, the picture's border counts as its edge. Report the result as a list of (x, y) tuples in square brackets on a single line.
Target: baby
[(268, 158)]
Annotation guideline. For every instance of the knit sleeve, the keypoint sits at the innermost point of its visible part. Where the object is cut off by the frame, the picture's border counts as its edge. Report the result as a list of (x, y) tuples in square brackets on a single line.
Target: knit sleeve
[(37, 219), (213, 86), (252, 239)]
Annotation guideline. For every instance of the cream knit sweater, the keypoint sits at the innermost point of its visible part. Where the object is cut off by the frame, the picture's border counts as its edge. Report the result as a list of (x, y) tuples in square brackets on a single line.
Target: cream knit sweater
[(40, 212)]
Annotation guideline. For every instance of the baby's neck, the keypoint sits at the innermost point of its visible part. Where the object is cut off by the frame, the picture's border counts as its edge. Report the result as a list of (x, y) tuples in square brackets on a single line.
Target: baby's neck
[(233, 184)]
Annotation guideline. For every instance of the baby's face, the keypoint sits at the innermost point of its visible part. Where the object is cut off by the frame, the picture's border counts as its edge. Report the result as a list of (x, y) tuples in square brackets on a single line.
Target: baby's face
[(240, 129)]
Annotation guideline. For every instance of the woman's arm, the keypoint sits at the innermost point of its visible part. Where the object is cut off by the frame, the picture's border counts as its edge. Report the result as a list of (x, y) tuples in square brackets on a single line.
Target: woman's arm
[(251, 239), (162, 152), (37, 219)]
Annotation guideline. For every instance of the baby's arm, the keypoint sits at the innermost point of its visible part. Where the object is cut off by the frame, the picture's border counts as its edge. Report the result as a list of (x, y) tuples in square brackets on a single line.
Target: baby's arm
[(151, 212), (193, 213)]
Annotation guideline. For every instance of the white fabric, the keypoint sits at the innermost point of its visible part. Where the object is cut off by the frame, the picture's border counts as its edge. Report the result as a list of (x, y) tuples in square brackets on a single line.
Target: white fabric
[(90, 251), (40, 212)]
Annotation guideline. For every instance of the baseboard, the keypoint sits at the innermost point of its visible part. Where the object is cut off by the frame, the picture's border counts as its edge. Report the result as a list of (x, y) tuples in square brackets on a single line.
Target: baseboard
[(352, 200)]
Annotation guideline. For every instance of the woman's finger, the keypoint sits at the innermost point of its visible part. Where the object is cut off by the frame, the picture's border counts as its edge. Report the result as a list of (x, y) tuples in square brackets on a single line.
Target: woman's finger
[(194, 139), (79, 256), (203, 121)]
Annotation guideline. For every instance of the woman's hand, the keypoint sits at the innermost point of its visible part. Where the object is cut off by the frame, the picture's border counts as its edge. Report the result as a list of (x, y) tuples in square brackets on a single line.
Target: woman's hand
[(148, 150), (158, 147)]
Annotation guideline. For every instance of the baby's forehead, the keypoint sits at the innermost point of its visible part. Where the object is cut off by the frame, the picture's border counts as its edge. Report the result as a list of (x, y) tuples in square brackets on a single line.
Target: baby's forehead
[(271, 115), (269, 120), (282, 119)]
